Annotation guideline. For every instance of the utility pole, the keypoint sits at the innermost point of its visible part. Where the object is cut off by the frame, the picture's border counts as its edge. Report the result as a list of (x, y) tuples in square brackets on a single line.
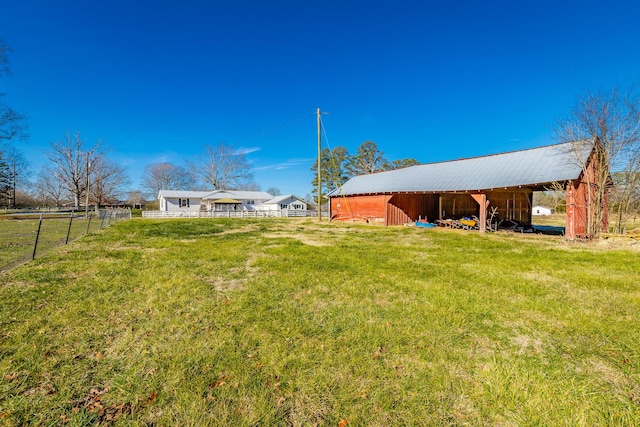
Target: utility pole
[(319, 177)]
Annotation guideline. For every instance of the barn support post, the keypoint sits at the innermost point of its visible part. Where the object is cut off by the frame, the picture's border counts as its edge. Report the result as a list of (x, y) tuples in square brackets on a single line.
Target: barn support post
[(481, 199), (570, 228)]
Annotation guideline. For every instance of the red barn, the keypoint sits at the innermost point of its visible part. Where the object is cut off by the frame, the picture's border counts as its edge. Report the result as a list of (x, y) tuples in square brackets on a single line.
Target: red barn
[(466, 187)]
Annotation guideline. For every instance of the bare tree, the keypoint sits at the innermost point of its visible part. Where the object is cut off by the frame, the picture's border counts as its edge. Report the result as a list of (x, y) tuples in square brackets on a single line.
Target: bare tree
[(106, 180), (136, 199), (625, 198), (5, 182), (70, 161), (12, 123), (19, 169), (605, 123), (49, 190), (274, 191), (166, 176), (222, 167)]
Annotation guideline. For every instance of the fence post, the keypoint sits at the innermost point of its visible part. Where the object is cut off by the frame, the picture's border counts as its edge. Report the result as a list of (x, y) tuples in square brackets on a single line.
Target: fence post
[(69, 229), (104, 214), (37, 236), (89, 222)]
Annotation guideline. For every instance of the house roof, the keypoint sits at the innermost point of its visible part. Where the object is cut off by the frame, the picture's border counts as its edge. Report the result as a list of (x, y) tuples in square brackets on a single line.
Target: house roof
[(216, 194), (280, 199), (238, 194), (532, 167), (183, 194)]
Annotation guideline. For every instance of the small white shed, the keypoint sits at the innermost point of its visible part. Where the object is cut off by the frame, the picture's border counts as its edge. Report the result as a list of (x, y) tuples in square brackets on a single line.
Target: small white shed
[(541, 211)]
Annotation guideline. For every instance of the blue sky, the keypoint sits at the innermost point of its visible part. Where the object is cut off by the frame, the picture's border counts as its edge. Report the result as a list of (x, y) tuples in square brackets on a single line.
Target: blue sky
[(433, 81)]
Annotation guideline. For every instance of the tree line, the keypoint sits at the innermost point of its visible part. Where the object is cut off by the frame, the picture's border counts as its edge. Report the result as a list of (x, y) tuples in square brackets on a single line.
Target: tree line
[(337, 166)]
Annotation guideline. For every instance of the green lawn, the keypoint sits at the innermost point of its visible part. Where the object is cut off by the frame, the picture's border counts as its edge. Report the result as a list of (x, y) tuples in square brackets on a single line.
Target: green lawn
[(18, 234), (294, 322)]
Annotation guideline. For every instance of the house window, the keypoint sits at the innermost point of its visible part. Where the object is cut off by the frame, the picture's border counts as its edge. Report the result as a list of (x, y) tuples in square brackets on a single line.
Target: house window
[(183, 203), (251, 202)]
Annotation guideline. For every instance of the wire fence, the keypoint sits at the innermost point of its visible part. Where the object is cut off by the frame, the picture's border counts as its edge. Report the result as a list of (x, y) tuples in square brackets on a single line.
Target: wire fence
[(25, 236)]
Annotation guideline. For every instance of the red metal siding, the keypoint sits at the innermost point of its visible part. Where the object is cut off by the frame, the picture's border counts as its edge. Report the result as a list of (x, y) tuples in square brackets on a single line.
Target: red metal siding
[(363, 208)]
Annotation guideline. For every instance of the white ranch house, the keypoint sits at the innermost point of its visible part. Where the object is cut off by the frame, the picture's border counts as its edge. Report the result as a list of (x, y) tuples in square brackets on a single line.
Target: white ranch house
[(218, 200), (228, 203), (289, 202)]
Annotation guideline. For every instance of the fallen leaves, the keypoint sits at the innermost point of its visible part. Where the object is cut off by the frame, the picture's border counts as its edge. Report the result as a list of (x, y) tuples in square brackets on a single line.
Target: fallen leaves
[(93, 404), (11, 377), (219, 382)]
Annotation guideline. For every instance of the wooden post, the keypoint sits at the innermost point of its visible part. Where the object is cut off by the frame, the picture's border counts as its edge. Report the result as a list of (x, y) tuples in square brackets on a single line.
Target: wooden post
[(570, 225), (69, 228), (35, 246), (481, 199), (89, 223)]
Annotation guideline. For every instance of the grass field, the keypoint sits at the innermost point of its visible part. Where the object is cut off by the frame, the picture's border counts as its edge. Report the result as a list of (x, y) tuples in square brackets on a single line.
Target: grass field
[(294, 322), (18, 234)]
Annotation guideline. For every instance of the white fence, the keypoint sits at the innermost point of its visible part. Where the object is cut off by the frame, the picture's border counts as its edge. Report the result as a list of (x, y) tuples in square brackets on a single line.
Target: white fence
[(282, 213)]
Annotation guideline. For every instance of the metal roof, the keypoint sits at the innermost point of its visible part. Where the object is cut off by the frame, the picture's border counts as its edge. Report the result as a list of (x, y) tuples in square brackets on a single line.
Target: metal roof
[(215, 194), (238, 194), (182, 194), (280, 199), (536, 166)]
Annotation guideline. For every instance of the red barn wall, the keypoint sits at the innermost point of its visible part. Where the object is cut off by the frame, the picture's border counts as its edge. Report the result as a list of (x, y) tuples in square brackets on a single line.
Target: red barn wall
[(364, 208), (577, 196)]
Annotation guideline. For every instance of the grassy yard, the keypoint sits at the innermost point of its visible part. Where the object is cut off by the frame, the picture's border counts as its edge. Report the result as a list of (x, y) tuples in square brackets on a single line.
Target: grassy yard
[(18, 234), (294, 322)]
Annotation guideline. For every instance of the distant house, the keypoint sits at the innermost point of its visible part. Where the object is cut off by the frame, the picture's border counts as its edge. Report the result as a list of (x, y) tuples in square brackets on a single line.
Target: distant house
[(218, 200), (289, 201), (541, 211)]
